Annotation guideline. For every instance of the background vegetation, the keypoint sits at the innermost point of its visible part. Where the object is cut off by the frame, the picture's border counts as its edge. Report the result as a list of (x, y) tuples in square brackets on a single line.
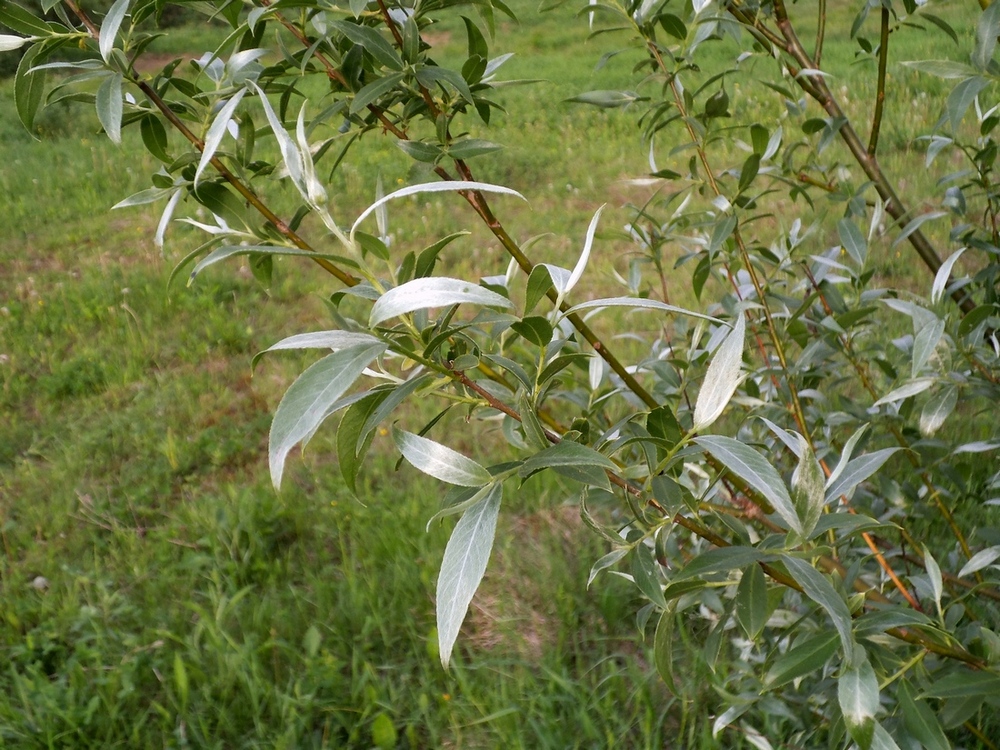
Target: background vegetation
[(158, 592)]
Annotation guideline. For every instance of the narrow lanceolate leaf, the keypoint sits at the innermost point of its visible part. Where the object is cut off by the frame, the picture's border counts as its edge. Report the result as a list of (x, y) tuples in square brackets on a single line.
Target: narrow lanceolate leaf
[(924, 344), (566, 453), (109, 28), (216, 132), (722, 378), (333, 340), (821, 591), (635, 302), (943, 274), (581, 263), (305, 404), (438, 291), (663, 648), (463, 566), (934, 574), (804, 658), (845, 455), (807, 488), (433, 187), (9, 42), (853, 241), (754, 469), (28, 88), (882, 740), (857, 691), (937, 409), (857, 470), (906, 391), (289, 151), (921, 721), (979, 561), (440, 461), (751, 601), (109, 106)]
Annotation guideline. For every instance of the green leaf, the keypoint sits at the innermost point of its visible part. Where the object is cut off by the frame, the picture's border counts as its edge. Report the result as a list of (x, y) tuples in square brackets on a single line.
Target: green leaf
[(722, 378), (154, 137), (721, 560), (352, 442), (925, 342), (372, 245), (974, 318), (375, 91), (440, 461), (438, 291), (538, 285), (229, 251), (428, 256), (857, 470), (639, 303), (943, 275), (920, 720), (721, 231), (820, 590), (463, 566), (807, 488), (374, 43), (216, 132), (760, 137), (535, 329), (749, 171), (333, 340), (980, 560), (15, 17), (109, 27), (987, 29), (470, 147), (663, 648), (755, 470), (645, 572), (857, 691), (568, 453), (606, 562), (804, 658), (942, 68), (937, 409), (906, 391), (934, 575), (673, 26), (914, 224), (853, 241), (605, 99), (961, 99), (662, 423), (965, 682), (477, 42), (305, 404), (420, 151), (109, 106), (28, 88), (751, 601), (882, 740)]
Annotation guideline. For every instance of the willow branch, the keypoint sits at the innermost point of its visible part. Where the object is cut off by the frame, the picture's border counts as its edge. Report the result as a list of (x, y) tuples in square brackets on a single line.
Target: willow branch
[(816, 87), (883, 59)]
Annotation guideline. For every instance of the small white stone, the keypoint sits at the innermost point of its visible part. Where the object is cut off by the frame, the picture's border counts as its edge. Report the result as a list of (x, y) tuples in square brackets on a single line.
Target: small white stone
[(40, 583)]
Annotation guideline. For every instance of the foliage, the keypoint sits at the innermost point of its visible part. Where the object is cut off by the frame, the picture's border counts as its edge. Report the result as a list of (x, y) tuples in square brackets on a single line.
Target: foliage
[(778, 507)]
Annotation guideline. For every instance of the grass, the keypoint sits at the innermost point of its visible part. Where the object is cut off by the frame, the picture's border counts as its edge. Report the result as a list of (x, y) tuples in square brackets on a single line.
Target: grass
[(157, 592)]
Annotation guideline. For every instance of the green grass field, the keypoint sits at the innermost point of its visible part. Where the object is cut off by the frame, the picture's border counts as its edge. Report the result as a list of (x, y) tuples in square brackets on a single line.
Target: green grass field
[(157, 592)]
